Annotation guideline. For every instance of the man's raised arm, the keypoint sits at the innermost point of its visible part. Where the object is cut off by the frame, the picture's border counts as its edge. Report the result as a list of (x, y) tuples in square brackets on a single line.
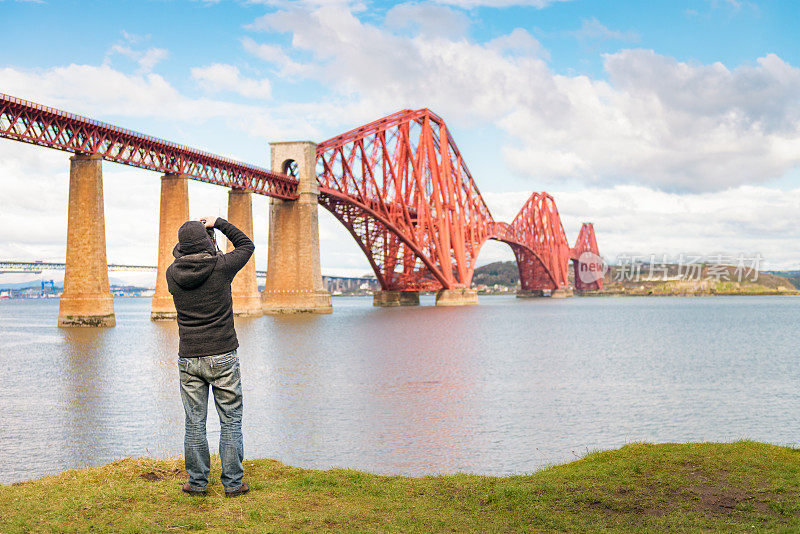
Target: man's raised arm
[(243, 247)]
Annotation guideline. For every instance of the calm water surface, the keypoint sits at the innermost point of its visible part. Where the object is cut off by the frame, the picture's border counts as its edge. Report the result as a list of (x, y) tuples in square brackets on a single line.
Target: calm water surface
[(504, 387)]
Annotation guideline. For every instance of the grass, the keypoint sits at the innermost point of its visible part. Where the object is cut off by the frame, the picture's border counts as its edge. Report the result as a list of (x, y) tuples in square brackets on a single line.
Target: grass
[(696, 487)]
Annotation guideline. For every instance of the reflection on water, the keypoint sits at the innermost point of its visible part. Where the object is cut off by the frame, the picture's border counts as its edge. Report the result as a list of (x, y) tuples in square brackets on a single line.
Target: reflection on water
[(503, 387)]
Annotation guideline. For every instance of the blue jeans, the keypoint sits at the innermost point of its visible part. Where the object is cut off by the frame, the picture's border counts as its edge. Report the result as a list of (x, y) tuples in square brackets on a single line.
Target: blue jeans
[(221, 372)]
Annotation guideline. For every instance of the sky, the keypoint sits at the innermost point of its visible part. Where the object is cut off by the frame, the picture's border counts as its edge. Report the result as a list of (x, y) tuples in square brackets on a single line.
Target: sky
[(673, 126)]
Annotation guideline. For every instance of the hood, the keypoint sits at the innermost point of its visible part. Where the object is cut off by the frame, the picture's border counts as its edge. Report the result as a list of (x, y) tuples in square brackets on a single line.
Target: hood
[(193, 238), (195, 255), (192, 270)]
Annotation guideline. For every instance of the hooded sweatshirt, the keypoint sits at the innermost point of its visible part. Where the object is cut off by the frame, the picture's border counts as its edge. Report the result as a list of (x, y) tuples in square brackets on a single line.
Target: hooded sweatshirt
[(200, 282)]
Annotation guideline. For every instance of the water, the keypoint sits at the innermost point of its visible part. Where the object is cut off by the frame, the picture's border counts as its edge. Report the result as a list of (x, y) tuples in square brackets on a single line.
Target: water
[(504, 387)]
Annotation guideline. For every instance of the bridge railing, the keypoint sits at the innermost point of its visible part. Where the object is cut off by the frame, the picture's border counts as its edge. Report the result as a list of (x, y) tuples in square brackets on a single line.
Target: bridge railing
[(34, 123)]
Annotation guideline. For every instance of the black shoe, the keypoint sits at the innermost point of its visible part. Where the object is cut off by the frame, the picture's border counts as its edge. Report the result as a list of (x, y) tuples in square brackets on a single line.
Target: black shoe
[(244, 488), (191, 490)]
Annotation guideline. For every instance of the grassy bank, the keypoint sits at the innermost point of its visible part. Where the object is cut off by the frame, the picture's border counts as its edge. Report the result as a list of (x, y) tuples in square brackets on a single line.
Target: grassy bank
[(736, 487)]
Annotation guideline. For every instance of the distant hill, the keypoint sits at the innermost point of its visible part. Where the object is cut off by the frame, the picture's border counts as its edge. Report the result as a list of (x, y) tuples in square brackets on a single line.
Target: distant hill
[(707, 280), (721, 281), (791, 276), (500, 272)]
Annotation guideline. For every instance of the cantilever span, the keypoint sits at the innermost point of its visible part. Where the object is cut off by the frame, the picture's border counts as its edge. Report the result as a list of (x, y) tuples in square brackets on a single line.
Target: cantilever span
[(402, 189), (408, 200), (399, 184)]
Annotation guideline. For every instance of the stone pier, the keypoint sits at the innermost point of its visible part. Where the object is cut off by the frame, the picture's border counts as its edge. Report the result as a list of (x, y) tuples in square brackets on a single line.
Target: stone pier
[(564, 292), (531, 294), (388, 299), (553, 293), (456, 297), (244, 289), (173, 212), (294, 280), (86, 299)]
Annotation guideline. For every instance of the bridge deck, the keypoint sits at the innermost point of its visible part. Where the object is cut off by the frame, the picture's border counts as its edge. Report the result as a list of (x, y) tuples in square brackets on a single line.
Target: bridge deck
[(33, 123)]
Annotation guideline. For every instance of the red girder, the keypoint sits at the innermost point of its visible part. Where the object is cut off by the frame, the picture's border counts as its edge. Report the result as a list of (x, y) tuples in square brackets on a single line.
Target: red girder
[(539, 243), (586, 261), (398, 184), (415, 209), (410, 202), (29, 122)]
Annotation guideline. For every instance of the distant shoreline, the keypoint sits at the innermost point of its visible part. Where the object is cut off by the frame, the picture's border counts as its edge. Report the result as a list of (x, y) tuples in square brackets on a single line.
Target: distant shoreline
[(706, 294)]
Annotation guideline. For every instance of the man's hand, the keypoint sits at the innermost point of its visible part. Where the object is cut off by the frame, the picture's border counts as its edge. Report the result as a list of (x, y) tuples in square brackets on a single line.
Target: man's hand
[(208, 221)]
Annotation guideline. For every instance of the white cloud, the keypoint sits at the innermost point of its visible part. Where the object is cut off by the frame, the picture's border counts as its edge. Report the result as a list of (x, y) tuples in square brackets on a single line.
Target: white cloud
[(134, 38), (594, 29), (275, 55), (354, 6), (518, 42), (385, 72), (146, 59), (734, 6), (113, 92), (428, 20), (33, 226), (731, 8), (221, 77), (640, 220), (116, 93), (656, 121), (539, 4)]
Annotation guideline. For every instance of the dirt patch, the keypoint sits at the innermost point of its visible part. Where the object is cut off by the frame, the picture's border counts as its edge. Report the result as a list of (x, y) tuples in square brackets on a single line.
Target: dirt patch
[(155, 476), (708, 494), (722, 500), (620, 507), (713, 495)]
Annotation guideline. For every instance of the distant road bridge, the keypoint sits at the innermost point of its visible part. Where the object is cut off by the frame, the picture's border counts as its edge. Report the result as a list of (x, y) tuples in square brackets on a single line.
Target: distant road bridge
[(9, 266), (331, 283), (399, 185), (36, 267)]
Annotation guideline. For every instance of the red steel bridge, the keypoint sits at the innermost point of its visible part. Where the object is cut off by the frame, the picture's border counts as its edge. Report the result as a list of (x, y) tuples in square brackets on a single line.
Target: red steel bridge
[(399, 185)]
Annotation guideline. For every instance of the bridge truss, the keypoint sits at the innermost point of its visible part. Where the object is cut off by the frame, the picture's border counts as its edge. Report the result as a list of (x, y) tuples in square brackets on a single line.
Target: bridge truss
[(399, 185), (402, 189), (33, 123)]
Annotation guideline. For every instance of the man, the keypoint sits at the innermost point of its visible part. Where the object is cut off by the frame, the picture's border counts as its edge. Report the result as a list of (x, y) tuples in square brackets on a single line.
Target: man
[(200, 282)]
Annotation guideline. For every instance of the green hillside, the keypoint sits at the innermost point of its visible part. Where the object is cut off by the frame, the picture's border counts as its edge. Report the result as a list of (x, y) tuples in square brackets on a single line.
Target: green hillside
[(500, 272)]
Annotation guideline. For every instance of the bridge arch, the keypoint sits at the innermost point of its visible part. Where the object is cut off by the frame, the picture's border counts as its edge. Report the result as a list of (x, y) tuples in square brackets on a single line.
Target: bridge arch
[(534, 274), (291, 168), (398, 264), (405, 172)]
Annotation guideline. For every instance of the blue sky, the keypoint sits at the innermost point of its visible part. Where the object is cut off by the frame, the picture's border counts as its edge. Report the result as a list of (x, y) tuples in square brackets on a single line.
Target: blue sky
[(704, 31), (673, 125)]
